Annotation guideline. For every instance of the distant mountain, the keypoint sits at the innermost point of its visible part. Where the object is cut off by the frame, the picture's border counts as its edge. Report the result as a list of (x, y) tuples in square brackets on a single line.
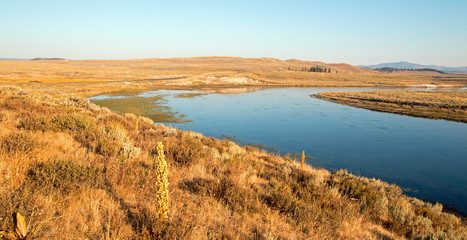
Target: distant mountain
[(408, 65), (14, 59), (47, 59)]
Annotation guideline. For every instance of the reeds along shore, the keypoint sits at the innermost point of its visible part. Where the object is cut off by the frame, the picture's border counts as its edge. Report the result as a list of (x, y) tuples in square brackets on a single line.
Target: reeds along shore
[(76, 170)]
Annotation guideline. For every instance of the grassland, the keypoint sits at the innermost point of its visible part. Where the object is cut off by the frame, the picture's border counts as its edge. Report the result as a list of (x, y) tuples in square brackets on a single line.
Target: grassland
[(448, 105), (91, 77), (76, 170)]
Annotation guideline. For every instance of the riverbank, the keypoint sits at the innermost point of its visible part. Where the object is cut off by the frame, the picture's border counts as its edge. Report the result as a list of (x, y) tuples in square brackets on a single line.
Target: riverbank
[(69, 163), (447, 105)]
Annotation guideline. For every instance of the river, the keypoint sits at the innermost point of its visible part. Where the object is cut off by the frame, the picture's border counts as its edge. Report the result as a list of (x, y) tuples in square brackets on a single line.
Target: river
[(427, 158)]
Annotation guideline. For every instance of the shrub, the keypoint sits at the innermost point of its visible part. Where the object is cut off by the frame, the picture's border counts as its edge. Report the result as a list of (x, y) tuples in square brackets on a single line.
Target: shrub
[(71, 122), (23, 105), (303, 184), (423, 226), (237, 198), (401, 215), (129, 151), (372, 193), (35, 123), (115, 132), (185, 151), (107, 147), (18, 142), (80, 103), (65, 176)]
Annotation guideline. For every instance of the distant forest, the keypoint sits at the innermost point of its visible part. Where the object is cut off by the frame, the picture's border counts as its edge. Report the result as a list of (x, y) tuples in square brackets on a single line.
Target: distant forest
[(390, 70), (312, 69), (38, 59)]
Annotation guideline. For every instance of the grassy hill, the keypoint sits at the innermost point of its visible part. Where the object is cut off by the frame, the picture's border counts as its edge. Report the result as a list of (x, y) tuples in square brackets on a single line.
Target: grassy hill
[(76, 170)]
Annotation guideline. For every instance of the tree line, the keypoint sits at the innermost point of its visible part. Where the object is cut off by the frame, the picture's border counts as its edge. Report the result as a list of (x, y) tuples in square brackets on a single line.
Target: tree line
[(38, 59), (313, 69)]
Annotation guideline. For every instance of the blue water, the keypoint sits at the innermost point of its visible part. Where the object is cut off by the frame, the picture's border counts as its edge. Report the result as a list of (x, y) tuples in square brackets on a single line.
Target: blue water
[(426, 157)]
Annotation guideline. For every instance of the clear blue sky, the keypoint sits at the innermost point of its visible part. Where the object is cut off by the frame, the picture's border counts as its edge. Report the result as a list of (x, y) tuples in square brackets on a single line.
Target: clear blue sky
[(355, 32)]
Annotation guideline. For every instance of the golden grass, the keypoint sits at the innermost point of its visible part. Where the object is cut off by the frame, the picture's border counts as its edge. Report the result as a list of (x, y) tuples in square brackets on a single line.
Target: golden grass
[(448, 105), (77, 180)]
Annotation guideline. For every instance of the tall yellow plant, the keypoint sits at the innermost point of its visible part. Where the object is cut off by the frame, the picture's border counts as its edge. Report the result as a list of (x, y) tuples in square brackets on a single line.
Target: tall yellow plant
[(162, 182), (303, 158), (136, 126)]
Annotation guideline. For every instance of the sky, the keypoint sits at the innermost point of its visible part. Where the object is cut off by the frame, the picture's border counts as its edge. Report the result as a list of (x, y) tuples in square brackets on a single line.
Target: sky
[(354, 32)]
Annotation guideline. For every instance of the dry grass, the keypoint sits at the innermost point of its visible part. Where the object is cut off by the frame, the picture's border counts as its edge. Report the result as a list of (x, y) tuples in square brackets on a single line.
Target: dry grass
[(437, 105), (67, 166)]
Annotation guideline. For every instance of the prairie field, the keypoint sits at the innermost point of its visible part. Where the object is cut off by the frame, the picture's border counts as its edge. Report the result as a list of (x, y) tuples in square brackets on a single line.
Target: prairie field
[(448, 105)]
